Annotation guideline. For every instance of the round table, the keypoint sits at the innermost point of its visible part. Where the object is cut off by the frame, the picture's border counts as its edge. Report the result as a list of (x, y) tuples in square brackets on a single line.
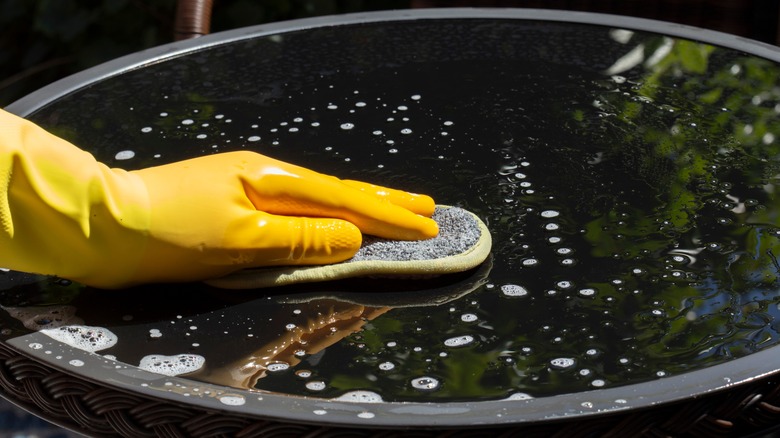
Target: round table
[(626, 169)]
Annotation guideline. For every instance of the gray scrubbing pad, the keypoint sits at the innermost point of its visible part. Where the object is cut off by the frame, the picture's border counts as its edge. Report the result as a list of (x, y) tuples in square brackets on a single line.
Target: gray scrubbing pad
[(458, 231), (463, 243)]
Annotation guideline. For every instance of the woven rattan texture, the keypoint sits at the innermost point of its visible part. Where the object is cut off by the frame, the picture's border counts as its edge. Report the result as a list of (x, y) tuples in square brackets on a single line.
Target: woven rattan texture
[(95, 410)]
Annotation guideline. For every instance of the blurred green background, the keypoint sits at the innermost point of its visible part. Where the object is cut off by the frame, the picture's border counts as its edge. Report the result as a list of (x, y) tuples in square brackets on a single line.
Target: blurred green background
[(44, 40)]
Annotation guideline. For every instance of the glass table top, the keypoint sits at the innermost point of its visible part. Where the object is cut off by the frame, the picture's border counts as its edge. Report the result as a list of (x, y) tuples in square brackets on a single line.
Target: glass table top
[(628, 176)]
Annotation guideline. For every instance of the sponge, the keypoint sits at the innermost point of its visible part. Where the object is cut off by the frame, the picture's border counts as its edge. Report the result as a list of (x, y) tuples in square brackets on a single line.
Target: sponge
[(463, 243)]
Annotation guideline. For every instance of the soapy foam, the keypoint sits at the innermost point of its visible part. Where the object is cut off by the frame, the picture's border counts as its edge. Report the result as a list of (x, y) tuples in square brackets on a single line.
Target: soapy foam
[(172, 365), (83, 337)]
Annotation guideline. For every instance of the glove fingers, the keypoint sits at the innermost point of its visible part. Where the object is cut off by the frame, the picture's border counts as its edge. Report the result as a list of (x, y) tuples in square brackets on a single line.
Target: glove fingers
[(309, 193), (420, 204), (287, 240)]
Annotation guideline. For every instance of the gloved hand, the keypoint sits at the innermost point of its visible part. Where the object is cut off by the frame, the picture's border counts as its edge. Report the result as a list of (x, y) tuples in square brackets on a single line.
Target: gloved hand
[(63, 213)]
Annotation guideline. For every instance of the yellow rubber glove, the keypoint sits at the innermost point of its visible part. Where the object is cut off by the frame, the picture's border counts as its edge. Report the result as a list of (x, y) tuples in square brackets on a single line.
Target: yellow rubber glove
[(63, 213)]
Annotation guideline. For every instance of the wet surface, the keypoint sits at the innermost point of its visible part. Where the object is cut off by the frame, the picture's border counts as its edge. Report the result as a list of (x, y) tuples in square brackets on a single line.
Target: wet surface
[(628, 180)]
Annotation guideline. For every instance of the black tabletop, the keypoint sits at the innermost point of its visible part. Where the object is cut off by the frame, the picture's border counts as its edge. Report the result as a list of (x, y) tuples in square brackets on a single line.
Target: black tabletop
[(626, 169)]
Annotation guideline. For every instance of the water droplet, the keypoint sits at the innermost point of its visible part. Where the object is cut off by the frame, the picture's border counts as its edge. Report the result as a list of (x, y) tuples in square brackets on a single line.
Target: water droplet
[(232, 400), (360, 396), (550, 213), (124, 155), (562, 362), (514, 290), (146, 129), (416, 97), (459, 341), (76, 363), (386, 366), (425, 383), (406, 131), (278, 367), (347, 126), (519, 396), (587, 292), (187, 122), (315, 385), (468, 317), (530, 262)]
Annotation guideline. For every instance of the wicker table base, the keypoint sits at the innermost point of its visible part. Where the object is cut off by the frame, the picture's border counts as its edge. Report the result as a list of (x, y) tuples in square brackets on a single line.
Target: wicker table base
[(96, 410)]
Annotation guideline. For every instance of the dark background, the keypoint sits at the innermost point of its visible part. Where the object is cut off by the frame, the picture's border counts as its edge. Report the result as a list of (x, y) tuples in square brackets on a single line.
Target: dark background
[(44, 40)]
